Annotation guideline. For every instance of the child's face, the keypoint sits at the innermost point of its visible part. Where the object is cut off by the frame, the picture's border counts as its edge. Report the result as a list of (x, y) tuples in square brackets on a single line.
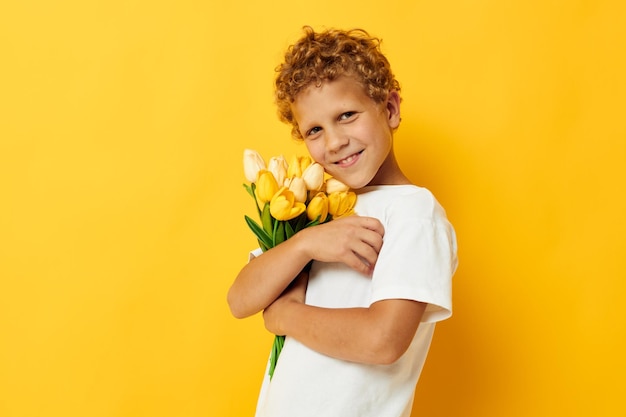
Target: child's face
[(348, 133)]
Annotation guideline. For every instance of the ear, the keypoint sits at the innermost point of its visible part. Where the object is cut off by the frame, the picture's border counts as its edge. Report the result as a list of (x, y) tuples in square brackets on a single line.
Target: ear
[(393, 109)]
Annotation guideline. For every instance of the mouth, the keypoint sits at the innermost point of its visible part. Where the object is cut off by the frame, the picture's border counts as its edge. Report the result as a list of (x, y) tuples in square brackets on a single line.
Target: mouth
[(349, 160)]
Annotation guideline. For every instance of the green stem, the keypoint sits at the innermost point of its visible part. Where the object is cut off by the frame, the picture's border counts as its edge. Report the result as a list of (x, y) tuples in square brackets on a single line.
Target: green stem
[(277, 347)]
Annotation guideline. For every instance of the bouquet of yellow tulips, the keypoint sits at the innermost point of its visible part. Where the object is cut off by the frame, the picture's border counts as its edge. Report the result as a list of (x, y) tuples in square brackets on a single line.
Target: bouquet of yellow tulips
[(290, 197)]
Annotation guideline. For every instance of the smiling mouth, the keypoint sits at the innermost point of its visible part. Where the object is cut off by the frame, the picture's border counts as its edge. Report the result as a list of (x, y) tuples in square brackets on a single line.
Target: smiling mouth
[(350, 159)]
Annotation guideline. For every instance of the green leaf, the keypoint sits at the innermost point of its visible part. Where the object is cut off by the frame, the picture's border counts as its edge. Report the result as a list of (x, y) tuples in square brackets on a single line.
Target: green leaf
[(266, 219), (318, 220), (301, 223), (313, 222), (250, 189), (279, 233), (289, 230), (261, 234)]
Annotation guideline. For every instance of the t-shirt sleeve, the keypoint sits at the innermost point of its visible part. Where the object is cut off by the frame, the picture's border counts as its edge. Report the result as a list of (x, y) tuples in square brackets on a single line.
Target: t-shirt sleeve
[(418, 256), (254, 254)]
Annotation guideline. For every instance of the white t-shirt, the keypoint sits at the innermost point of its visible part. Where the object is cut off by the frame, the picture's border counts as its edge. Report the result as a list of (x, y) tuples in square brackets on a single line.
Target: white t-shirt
[(416, 262)]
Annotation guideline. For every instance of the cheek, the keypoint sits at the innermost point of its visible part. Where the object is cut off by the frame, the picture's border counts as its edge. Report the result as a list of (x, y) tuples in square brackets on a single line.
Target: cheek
[(316, 151)]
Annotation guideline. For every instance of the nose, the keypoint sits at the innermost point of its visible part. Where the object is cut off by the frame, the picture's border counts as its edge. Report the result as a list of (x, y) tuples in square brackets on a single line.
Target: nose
[(336, 140)]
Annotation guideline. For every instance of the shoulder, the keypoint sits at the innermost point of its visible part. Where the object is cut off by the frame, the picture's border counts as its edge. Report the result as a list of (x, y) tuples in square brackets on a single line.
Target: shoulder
[(402, 201)]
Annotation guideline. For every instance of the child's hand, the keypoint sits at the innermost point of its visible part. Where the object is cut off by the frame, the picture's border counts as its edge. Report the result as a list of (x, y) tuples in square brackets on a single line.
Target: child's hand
[(295, 293), (354, 241)]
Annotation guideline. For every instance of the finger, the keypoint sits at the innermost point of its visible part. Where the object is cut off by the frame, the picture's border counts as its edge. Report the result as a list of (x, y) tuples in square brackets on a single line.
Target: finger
[(373, 239), (356, 263), (366, 254), (373, 224)]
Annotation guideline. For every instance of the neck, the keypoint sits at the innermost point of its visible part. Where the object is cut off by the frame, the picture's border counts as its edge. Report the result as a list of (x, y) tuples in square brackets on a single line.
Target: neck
[(390, 173)]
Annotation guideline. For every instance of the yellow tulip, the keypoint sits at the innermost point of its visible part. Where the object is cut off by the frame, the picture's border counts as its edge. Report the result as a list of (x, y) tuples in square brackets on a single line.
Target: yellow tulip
[(305, 161), (278, 166), (313, 176), (318, 207), (297, 165), (294, 170), (252, 163), (341, 203), (284, 206), (266, 186), (298, 188), (334, 185)]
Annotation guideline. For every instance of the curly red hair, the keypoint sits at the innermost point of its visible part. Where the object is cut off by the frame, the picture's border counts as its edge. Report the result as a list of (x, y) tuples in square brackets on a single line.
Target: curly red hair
[(324, 56)]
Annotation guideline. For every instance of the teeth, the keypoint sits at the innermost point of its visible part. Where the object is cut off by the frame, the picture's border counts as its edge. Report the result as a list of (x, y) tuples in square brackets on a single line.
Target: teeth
[(347, 160)]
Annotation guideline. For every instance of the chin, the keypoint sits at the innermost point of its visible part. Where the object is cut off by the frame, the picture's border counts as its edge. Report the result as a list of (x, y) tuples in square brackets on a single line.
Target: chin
[(357, 184), (354, 181)]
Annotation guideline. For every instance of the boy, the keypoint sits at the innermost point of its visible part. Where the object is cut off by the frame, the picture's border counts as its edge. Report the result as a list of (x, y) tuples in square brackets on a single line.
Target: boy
[(358, 322)]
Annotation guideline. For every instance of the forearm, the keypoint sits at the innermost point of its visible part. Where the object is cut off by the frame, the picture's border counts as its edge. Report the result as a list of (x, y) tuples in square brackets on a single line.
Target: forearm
[(354, 241), (379, 334), (264, 278), (333, 332)]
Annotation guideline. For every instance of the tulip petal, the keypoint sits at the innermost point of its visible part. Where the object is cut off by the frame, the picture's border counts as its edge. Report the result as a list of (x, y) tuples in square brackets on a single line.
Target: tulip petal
[(266, 186), (278, 167), (333, 185), (252, 164), (313, 176)]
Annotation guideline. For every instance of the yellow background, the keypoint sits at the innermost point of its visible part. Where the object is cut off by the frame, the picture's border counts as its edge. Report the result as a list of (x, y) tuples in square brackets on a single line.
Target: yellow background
[(122, 125)]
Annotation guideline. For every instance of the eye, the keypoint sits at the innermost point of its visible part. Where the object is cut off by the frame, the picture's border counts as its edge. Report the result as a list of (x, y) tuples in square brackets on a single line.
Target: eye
[(313, 131), (347, 115)]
